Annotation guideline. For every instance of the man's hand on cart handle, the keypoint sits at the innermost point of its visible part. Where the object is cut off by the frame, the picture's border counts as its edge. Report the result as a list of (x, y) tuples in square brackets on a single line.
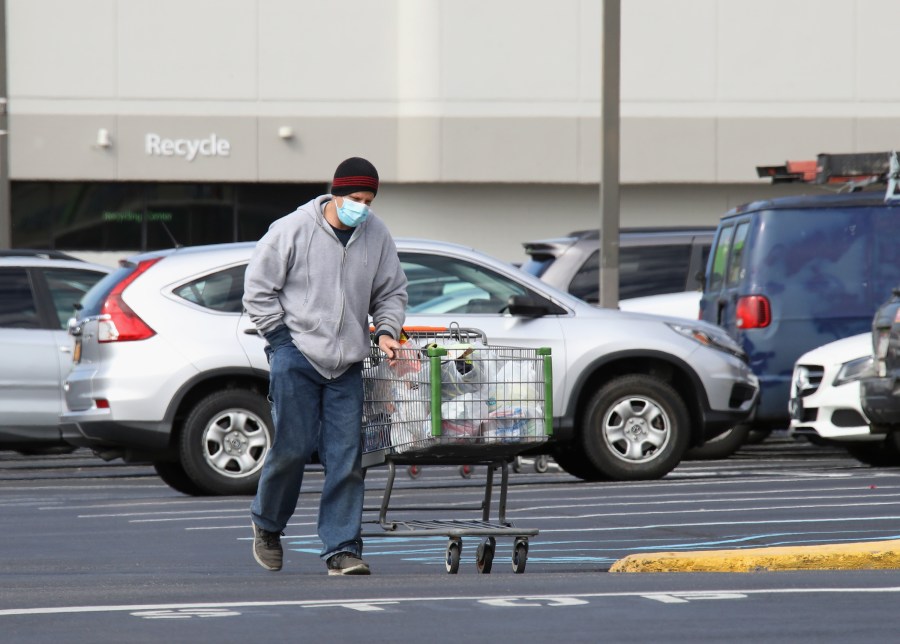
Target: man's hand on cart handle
[(388, 346)]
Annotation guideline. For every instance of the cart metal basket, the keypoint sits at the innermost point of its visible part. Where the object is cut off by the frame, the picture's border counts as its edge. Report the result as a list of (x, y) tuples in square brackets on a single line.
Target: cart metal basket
[(451, 398)]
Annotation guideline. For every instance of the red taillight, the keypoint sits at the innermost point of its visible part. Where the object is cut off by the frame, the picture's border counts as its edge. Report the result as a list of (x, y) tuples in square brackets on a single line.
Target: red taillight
[(118, 322), (753, 312)]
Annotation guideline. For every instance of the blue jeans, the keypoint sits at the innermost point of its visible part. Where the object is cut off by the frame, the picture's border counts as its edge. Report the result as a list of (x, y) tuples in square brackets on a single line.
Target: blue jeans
[(311, 411)]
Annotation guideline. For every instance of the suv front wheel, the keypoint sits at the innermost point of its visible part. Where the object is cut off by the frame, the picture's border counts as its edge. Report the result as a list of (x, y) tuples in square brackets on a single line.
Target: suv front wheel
[(635, 428), (224, 441)]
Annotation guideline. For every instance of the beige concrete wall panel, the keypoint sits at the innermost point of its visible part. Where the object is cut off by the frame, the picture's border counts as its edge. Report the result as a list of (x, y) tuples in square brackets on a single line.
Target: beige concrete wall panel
[(162, 148), (61, 49), (777, 50), (653, 150), (322, 50), (203, 49), (744, 144), (590, 25), (668, 50), (675, 150), (542, 150), (418, 149), (418, 50), (589, 150), (318, 145), (877, 135), (61, 148), (876, 42), (515, 50)]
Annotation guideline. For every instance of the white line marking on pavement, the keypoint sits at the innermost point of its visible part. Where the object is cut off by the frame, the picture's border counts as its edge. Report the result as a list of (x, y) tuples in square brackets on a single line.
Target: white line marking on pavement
[(355, 604)]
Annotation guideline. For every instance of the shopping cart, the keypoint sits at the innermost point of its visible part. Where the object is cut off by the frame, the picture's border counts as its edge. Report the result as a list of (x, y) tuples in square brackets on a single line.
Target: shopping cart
[(451, 398)]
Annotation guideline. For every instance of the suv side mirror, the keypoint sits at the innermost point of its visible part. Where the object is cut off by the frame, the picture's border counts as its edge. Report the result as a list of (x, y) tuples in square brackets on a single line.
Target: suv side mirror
[(527, 306)]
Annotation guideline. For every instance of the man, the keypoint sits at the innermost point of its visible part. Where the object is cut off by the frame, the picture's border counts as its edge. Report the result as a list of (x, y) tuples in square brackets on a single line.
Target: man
[(313, 281)]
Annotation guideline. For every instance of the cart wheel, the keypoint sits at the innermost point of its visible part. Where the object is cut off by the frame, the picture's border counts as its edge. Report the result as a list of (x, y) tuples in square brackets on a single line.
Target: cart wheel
[(413, 471), (465, 471), (453, 551), (541, 464), (517, 465), (484, 556), (520, 555)]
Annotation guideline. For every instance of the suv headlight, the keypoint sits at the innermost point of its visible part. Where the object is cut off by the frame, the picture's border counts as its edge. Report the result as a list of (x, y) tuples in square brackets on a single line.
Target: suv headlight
[(712, 337), (854, 370)]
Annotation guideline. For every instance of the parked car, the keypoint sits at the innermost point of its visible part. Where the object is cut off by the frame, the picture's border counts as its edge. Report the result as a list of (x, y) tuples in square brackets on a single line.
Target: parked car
[(791, 274), (171, 371), (684, 304), (652, 261), (38, 291), (825, 404)]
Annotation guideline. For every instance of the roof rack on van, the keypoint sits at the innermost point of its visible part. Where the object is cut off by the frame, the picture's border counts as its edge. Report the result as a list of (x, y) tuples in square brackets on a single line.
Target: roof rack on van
[(853, 171)]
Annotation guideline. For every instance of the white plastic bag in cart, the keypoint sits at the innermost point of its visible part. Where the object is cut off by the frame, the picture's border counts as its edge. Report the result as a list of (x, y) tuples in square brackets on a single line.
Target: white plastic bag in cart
[(466, 368), (513, 400), (516, 381), (461, 417), (410, 422), (509, 424)]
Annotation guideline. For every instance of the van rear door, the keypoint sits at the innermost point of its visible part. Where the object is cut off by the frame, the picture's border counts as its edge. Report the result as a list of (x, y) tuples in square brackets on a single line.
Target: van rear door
[(724, 273)]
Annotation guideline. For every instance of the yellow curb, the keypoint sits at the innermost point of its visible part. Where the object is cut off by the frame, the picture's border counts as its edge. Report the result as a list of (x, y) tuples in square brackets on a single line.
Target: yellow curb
[(871, 555)]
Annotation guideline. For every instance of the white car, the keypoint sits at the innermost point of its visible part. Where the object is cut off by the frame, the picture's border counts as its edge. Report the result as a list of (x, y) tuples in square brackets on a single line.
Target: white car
[(825, 397), (38, 291), (683, 304)]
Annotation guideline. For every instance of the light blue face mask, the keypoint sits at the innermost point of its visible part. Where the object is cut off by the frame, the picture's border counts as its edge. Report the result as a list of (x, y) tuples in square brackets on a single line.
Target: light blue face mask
[(352, 213)]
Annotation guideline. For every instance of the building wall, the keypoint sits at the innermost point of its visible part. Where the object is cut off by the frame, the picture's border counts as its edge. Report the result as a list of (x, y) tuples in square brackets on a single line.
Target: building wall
[(449, 94)]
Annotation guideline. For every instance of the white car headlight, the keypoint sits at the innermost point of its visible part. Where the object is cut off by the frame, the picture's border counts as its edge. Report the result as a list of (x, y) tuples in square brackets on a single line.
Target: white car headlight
[(711, 337), (854, 370)]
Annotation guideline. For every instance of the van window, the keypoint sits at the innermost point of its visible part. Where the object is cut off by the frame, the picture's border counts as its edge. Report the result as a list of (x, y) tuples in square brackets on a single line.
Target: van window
[(720, 258), (738, 247)]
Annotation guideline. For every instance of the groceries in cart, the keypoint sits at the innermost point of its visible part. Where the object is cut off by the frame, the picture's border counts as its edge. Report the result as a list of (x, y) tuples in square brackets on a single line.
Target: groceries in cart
[(453, 388)]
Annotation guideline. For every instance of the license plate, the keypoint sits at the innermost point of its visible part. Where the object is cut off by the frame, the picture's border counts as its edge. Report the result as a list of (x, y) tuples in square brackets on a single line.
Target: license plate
[(76, 352)]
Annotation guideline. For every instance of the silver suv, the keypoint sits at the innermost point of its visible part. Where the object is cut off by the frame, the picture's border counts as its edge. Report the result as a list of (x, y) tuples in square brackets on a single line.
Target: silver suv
[(172, 371), (38, 292)]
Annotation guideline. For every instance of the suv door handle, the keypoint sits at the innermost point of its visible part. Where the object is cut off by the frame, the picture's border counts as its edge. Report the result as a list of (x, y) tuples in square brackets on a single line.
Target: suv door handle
[(251, 331)]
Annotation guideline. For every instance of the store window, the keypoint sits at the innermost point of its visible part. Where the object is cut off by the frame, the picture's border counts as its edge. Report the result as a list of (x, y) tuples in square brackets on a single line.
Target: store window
[(140, 216)]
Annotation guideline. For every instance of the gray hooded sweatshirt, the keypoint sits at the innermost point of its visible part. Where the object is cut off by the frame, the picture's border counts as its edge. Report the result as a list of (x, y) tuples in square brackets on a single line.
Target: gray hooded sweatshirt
[(301, 276)]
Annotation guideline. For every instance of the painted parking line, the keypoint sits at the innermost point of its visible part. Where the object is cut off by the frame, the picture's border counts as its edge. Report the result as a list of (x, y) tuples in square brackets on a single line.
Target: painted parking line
[(204, 609)]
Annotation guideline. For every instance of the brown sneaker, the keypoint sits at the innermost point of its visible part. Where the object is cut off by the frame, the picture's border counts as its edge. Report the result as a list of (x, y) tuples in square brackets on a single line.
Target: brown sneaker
[(267, 548)]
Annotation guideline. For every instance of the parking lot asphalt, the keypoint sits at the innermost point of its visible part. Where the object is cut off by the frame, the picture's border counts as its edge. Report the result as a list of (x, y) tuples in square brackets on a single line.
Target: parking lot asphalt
[(872, 555)]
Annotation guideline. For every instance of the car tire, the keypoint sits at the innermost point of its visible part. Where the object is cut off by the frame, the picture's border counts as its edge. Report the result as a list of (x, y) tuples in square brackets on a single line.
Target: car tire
[(575, 462), (173, 475), (635, 428), (876, 454), (224, 441), (721, 446)]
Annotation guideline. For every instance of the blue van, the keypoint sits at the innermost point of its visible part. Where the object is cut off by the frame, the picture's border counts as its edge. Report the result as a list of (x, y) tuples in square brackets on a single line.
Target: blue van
[(791, 274)]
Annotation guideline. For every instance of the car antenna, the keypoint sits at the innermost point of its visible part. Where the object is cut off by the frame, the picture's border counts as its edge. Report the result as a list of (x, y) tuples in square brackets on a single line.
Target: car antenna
[(171, 236)]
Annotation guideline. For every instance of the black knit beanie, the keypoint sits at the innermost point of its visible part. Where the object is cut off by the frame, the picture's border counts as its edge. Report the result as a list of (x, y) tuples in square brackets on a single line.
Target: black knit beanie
[(354, 175)]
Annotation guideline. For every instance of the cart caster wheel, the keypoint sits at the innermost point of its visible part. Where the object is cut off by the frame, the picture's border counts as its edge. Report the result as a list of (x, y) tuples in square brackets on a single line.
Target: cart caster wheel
[(517, 465), (453, 551), (413, 471), (520, 555), (484, 556), (465, 471), (541, 464)]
